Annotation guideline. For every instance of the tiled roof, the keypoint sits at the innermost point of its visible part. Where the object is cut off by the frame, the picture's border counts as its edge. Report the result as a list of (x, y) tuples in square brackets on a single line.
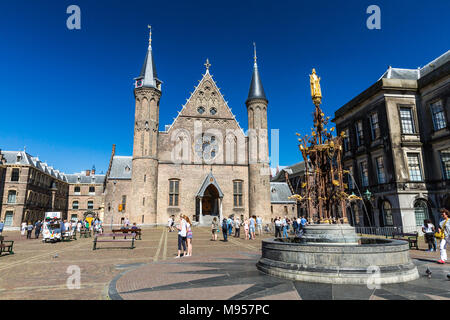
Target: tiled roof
[(121, 167), (280, 193), (23, 158)]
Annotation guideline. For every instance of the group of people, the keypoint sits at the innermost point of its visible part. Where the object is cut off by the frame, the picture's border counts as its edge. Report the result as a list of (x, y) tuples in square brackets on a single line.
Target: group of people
[(65, 225), (283, 225), (250, 226), (443, 234)]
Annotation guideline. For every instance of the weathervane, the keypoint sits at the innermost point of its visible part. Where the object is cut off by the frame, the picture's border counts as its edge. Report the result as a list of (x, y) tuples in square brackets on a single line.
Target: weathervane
[(254, 49), (150, 35)]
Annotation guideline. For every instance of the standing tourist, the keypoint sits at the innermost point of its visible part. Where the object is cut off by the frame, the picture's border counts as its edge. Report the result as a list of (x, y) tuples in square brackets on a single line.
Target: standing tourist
[(29, 229), (428, 229), (230, 225), (169, 224), (23, 228), (246, 227), (252, 227), (188, 236), (2, 225), (79, 226), (259, 225), (284, 224), (278, 227), (225, 229), (37, 229), (214, 229), (445, 231), (295, 226), (181, 236), (237, 227)]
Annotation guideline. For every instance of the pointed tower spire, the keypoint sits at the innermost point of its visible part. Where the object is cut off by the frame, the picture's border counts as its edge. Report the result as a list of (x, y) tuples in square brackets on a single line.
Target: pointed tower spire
[(148, 76), (256, 88)]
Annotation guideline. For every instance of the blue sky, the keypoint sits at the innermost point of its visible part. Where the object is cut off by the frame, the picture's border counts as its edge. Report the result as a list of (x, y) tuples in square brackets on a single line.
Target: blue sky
[(68, 95)]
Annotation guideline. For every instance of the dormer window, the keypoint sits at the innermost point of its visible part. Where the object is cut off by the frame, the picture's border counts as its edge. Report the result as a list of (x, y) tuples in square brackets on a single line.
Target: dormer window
[(19, 157), (127, 169)]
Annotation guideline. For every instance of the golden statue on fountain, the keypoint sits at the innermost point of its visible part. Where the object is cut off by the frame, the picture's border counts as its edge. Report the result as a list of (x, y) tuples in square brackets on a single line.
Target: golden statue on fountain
[(323, 186)]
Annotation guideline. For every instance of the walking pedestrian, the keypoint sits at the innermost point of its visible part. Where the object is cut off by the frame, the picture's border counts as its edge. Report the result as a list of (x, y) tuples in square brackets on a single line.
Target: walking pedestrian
[(181, 236), (259, 223), (37, 229), (188, 236), (225, 229), (214, 229), (79, 226), (169, 224), (428, 229), (29, 229), (23, 228), (237, 227), (444, 230)]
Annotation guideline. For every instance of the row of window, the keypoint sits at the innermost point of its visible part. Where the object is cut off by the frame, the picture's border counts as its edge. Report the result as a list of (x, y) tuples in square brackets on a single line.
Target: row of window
[(77, 190), (406, 122), (76, 205), (414, 169)]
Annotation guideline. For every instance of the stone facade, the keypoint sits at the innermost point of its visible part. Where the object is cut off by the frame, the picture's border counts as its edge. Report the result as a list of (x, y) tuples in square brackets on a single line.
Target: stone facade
[(201, 165), (30, 188), (396, 155), (85, 194)]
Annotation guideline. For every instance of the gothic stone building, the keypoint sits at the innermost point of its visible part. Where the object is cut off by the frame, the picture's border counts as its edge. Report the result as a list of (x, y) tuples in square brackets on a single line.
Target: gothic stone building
[(202, 165), (398, 146)]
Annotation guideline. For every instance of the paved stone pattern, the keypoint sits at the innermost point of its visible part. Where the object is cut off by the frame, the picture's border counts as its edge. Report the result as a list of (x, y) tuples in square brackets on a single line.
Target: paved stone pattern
[(217, 270)]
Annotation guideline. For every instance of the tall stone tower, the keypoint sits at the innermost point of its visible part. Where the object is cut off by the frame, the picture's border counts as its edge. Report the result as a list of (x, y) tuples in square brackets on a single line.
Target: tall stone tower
[(144, 178), (259, 170)]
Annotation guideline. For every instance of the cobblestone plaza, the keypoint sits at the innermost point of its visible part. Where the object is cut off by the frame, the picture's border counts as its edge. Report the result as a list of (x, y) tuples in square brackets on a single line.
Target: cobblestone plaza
[(216, 271)]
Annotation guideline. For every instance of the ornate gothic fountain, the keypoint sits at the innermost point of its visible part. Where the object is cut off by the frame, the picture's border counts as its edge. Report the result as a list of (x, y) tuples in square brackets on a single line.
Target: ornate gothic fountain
[(330, 251)]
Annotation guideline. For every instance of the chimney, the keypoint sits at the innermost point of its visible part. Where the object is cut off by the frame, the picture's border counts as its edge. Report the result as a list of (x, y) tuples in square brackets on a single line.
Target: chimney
[(93, 170), (88, 173)]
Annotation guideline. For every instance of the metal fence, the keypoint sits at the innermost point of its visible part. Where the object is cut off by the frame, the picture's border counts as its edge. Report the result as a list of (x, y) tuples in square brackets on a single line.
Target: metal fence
[(385, 231)]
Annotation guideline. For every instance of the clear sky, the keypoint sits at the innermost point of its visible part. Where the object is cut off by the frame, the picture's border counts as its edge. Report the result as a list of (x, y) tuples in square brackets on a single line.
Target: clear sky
[(67, 95)]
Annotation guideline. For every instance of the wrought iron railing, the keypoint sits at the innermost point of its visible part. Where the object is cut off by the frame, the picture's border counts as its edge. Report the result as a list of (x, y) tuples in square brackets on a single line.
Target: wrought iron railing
[(385, 231)]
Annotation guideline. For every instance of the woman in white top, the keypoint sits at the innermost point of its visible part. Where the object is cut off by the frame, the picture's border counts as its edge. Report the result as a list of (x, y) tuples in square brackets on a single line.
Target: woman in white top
[(181, 236), (23, 228), (246, 227), (428, 229)]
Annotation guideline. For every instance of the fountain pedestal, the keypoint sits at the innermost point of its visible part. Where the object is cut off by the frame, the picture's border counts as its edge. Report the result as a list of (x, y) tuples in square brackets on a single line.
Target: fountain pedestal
[(333, 254)]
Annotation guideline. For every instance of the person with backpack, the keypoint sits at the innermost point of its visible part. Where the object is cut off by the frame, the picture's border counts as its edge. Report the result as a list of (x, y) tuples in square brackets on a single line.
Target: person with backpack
[(225, 229), (444, 234)]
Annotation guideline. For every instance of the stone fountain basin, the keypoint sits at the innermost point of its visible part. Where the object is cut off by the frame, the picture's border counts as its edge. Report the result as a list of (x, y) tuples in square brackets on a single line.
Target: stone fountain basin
[(373, 260)]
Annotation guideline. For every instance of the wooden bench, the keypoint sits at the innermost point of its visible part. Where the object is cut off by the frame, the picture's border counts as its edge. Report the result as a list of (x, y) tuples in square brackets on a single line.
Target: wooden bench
[(6, 245), (113, 235), (66, 236), (412, 238), (138, 232), (85, 233)]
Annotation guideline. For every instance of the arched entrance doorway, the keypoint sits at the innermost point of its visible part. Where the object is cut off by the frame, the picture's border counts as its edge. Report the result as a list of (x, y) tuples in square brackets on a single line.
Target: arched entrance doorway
[(422, 212), (208, 201)]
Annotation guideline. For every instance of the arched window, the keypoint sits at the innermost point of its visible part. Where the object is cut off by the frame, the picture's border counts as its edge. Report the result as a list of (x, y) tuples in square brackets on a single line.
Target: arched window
[(386, 209), (75, 205), (421, 211)]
